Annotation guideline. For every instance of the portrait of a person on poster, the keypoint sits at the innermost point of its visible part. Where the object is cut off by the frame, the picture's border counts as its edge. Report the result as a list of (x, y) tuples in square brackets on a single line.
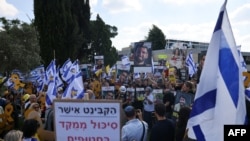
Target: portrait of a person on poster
[(142, 54), (99, 61)]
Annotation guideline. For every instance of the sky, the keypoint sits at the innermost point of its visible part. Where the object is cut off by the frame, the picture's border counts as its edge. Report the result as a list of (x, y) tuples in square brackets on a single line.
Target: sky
[(191, 20)]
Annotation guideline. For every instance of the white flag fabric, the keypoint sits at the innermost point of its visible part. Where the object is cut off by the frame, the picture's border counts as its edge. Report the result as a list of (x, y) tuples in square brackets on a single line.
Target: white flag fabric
[(51, 82), (220, 98), (75, 89), (244, 69), (9, 83), (71, 71), (125, 60), (247, 92), (242, 61), (192, 69), (38, 77), (65, 68)]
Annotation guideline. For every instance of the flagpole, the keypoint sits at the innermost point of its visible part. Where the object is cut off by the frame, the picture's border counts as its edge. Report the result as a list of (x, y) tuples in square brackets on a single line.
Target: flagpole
[(54, 54)]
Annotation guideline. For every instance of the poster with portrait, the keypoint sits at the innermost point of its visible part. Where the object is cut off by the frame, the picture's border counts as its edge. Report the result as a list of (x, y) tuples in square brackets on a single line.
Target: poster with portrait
[(139, 93), (85, 68), (158, 70), (182, 100), (122, 70), (162, 59), (99, 62), (142, 56), (130, 94), (179, 54), (106, 90), (158, 95)]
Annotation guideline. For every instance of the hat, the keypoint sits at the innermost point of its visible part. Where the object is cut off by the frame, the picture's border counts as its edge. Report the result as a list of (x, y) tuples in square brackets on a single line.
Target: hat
[(122, 89), (129, 111)]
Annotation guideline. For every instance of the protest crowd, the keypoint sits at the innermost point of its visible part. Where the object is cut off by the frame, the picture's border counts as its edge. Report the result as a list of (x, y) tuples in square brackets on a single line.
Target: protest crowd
[(162, 99), (156, 100), (22, 99)]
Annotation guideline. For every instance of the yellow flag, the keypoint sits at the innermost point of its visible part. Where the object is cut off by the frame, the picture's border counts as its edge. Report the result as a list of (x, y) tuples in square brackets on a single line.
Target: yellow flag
[(107, 69), (98, 72)]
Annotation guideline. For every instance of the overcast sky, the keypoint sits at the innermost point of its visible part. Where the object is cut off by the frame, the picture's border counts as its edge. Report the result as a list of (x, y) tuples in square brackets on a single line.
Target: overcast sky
[(178, 19)]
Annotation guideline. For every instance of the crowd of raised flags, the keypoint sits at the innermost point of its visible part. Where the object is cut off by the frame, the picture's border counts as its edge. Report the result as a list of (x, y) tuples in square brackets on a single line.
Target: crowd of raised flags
[(52, 77)]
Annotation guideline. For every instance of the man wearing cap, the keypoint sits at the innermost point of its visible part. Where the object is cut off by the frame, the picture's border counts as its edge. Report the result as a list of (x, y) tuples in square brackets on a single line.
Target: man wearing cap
[(135, 129)]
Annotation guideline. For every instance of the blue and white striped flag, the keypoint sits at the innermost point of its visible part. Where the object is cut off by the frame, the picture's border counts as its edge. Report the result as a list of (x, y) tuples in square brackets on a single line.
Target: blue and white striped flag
[(51, 82), (71, 71), (137, 75), (220, 98), (65, 68), (75, 89), (244, 69), (247, 92), (125, 60), (192, 68), (242, 62)]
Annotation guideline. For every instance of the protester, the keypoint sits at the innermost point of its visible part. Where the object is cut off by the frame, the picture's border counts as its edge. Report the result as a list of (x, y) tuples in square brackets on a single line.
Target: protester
[(49, 119), (200, 67), (35, 113), (168, 100), (30, 128), (163, 129), (32, 99), (182, 123), (135, 129), (14, 135), (148, 105)]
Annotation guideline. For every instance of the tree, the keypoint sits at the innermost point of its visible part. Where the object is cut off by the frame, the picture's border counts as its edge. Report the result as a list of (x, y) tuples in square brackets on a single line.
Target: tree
[(81, 9), (101, 35), (157, 37), (65, 27), (59, 33), (19, 47)]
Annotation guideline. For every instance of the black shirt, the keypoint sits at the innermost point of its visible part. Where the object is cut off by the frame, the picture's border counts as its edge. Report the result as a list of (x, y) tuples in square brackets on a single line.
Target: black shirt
[(163, 130)]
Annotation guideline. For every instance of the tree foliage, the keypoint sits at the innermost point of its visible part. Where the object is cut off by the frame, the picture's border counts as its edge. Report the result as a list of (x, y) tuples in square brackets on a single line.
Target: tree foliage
[(157, 37), (101, 35), (65, 27), (59, 35), (19, 47), (82, 12)]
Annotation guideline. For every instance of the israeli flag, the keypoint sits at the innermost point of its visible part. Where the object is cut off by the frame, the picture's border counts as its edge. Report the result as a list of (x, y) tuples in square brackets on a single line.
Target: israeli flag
[(125, 60), (242, 62), (220, 98), (71, 71), (75, 89), (192, 68), (65, 69), (51, 82), (247, 92)]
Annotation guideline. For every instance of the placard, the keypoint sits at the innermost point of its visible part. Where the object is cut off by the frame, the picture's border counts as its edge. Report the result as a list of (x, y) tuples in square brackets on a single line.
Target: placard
[(158, 95), (107, 89), (78, 120)]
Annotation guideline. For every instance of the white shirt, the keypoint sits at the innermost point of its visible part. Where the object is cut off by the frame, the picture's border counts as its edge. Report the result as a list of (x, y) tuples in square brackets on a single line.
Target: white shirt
[(149, 107), (133, 129)]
